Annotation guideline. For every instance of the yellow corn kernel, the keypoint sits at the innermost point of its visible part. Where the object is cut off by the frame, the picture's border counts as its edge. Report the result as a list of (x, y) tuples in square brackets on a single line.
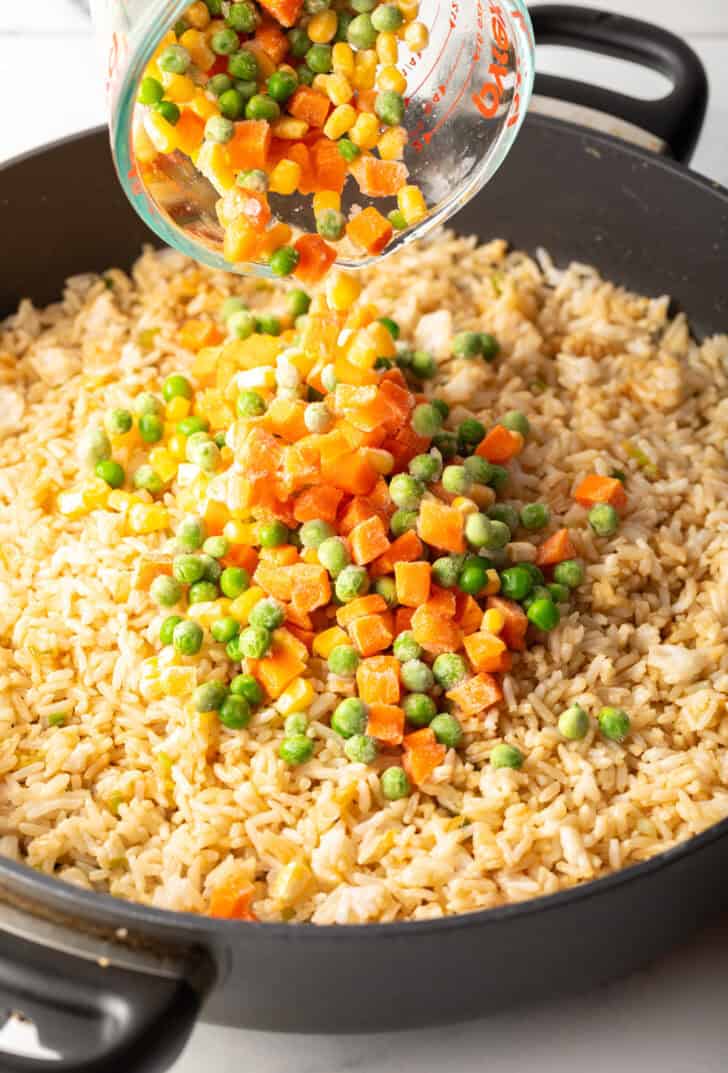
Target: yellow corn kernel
[(416, 36), (238, 532), (387, 48), (198, 15), (71, 504), (382, 461), (324, 643), (326, 199), (339, 89), (365, 69), (362, 352), (409, 8), (342, 59), (214, 163), (203, 107), (178, 681), (391, 144), (494, 584), (291, 882), (365, 132), (200, 52), (148, 518), (412, 204), (341, 120), (310, 556), (465, 505), (145, 150), (322, 27), (177, 446), (164, 463), (207, 613), (493, 620), (285, 177), (342, 290), (95, 493), (161, 133), (120, 501), (290, 129), (382, 340), (296, 697), (178, 88), (177, 408), (391, 78), (242, 605)]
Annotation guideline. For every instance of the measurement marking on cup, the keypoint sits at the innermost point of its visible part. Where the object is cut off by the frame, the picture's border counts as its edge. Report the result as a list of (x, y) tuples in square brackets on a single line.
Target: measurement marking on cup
[(488, 99)]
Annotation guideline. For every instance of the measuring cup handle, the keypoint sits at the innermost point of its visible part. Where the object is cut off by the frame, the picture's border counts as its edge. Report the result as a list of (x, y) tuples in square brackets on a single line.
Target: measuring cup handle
[(675, 120)]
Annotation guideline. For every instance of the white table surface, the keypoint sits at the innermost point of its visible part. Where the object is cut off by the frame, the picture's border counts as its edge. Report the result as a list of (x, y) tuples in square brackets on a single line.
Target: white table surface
[(669, 1019)]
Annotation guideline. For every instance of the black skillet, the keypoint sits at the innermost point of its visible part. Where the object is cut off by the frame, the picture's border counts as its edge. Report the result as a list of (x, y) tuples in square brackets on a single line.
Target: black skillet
[(117, 987)]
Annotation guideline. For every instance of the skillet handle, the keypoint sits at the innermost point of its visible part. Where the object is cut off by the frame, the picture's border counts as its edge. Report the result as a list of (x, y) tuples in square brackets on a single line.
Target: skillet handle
[(90, 1014), (675, 120)]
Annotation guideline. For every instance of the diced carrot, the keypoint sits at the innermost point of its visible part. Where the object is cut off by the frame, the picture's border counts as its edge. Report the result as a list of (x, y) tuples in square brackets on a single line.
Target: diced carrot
[(386, 723), (272, 40), (240, 555), (371, 634), (311, 587), (422, 754), (516, 623), (469, 613), (413, 582), (405, 549), (285, 555), (403, 619), (363, 605), (368, 540), (259, 454), (442, 602), (284, 11), (321, 502), (356, 511), (287, 659), (358, 437), (248, 147), (241, 241), (310, 106), (189, 131), (379, 178), (330, 168), (366, 100), (476, 694), (435, 633), (194, 334), (555, 549), (306, 637), (377, 680), (150, 569), (277, 235), (370, 230), (300, 619), (500, 445), (395, 376), (276, 581), (399, 400), (595, 489), (484, 650), (352, 473), (441, 526), (404, 444), (230, 900), (381, 500), (315, 258), (284, 417)]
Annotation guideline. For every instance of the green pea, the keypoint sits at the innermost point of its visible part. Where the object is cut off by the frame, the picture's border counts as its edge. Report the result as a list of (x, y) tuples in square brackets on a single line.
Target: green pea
[(559, 593), (574, 723), (151, 428), (111, 472), (447, 730), (205, 454), (516, 582), (255, 642), (361, 749), (169, 111), (216, 547), (405, 647), (361, 33), (146, 403), (269, 324), (478, 469), (539, 592), (273, 534), (242, 17), (187, 637), (489, 346), (95, 447), (504, 512), (348, 149), (426, 468), (499, 535), (516, 422), (419, 709), (232, 106), (536, 574), (296, 750), (353, 581), (283, 261), (389, 107), (305, 75), (252, 179), (402, 521), (391, 326), (262, 107), (202, 592), (176, 386), (224, 42), (416, 676), (188, 569), (174, 60), (120, 422), (570, 573), (478, 531), (446, 443), (166, 591), (298, 302), (534, 516), (614, 723), (397, 219), (224, 630), (445, 571), (506, 756), (394, 784), (299, 42), (210, 696), (268, 613), (166, 630), (387, 18), (150, 91), (190, 533), (297, 723), (349, 717), (333, 555), (467, 345), (314, 533), (498, 477), (219, 84), (544, 614), (423, 366), (473, 578), (235, 712), (455, 480), (234, 651), (603, 519), (405, 491), (318, 58), (344, 21), (470, 432), (449, 669), (250, 404), (363, 5), (426, 420), (148, 479), (343, 661), (386, 588), (244, 685), (331, 224), (190, 426)]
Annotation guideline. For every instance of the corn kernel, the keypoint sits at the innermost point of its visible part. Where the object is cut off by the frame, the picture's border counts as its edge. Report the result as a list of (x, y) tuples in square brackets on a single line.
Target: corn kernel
[(214, 163), (391, 78), (200, 52), (326, 199), (178, 681), (290, 882), (341, 120), (465, 506), (161, 133), (177, 408), (339, 89), (290, 129), (392, 142), (387, 48), (296, 697), (310, 556), (71, 504), (285, 177), (342, 59), (365, 69), (198, 15), (178, 88), (382, 340), (148, 518), (342, 290), (365, 132), (120, 501), (203, 107), (145, 150), (95, 493), (416, 36), (324, 643), (382, 461), (494, 620), (322, 27), (238, 532), (362, 352), (164, 463), (494, 584), (412, 204), (409, 8), (242, 605), (177, 446)]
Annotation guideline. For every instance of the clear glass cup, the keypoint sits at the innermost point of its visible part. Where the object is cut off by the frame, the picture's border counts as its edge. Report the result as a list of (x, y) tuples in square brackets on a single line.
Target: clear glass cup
[(467, 95)]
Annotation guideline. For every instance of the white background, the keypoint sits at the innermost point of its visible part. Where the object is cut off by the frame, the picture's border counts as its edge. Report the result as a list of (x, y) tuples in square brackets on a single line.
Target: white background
[(670, 1019)]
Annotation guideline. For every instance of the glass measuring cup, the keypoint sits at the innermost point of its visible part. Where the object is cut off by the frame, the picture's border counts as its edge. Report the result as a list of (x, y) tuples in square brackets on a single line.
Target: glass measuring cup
[(467, 95)]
